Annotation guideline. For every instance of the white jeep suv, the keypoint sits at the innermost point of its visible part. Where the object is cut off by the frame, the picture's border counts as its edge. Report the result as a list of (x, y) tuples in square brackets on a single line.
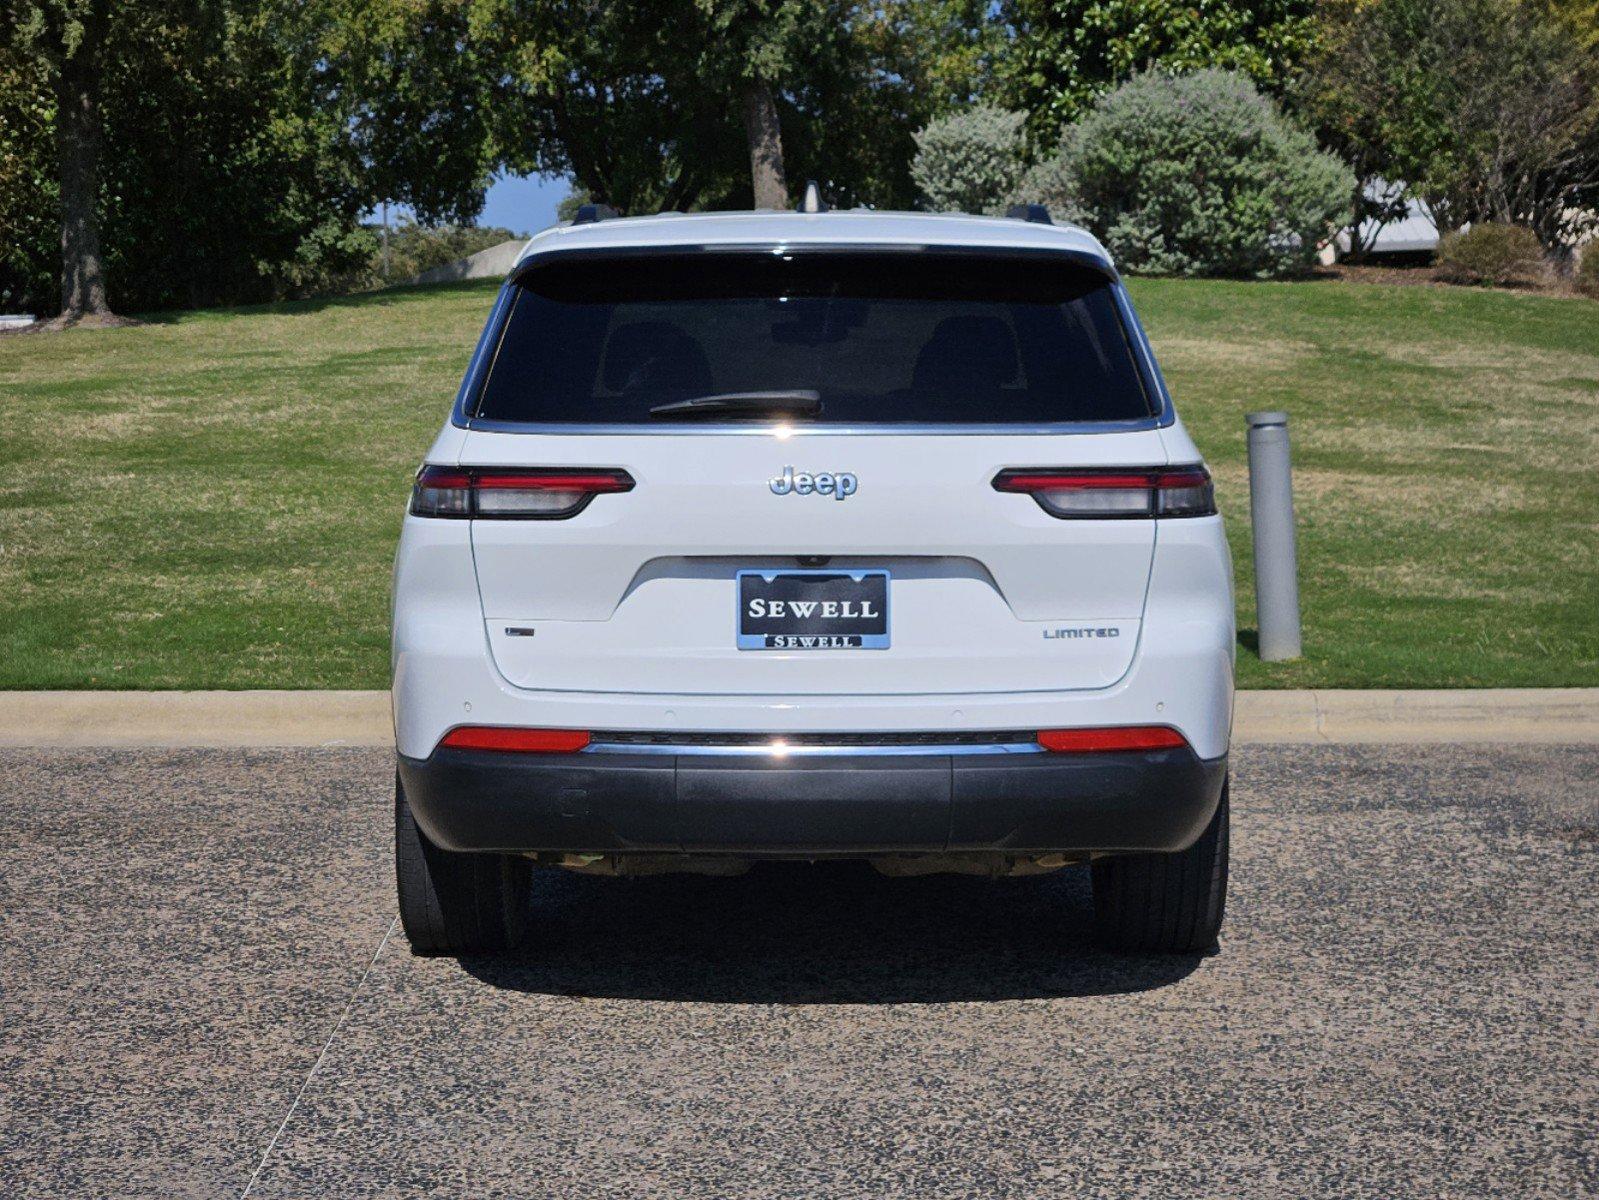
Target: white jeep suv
[(812, 535)]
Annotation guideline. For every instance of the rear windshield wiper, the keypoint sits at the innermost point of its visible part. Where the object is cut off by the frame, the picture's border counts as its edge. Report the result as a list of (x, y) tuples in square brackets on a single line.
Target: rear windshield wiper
[(788, 404)]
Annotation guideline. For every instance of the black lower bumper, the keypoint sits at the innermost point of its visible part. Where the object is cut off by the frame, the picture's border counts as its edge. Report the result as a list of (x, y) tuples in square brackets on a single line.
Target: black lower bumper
[(846, 803)]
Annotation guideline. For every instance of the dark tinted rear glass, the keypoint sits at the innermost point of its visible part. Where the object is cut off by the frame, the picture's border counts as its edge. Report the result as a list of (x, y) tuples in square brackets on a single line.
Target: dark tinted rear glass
[(883, 338)]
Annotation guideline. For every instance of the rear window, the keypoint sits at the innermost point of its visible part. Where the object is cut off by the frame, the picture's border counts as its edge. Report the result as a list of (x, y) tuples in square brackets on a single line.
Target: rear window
[(881, 338)]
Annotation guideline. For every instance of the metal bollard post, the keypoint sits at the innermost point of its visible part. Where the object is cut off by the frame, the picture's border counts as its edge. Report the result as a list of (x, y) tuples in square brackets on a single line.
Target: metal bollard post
[(1271, 509)]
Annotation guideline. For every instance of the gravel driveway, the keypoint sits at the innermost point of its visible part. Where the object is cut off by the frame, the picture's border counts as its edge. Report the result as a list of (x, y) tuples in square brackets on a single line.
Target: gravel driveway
[(202, 990)]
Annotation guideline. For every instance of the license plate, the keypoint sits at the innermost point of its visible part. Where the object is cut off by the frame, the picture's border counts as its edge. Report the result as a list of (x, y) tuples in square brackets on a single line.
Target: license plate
[(813, 610)]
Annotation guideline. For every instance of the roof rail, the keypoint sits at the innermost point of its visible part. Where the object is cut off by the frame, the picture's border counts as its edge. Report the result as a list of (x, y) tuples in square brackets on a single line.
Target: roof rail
[(1038, 214), (813, 202), (587, 214)]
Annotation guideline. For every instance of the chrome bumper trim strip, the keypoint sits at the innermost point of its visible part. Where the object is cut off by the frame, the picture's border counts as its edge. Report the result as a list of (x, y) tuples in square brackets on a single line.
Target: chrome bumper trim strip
[(776, 748)]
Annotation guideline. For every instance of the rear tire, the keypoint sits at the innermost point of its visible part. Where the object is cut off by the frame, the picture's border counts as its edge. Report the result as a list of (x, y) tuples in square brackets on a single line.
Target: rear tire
[(456, 903), (1165, 903)]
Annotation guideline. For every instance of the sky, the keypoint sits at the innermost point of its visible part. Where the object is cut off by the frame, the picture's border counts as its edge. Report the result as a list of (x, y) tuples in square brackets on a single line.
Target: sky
[(524, 204)]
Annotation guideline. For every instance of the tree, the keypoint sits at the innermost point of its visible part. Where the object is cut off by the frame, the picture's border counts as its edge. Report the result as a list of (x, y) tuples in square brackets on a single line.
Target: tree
[(945, 53), (762, 130), (424, 84), (909, 63), (447, 93), (1487, 109), (68, 38), (675, 105), (612, 95), (1067, 52), (758, 50), (1331, 98), (222, 161), (226, 167), (1579, 18), (29, 229)]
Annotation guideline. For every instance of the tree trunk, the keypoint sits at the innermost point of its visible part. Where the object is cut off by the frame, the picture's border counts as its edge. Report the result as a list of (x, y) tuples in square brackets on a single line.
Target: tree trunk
[(765, 139), (78, 156)]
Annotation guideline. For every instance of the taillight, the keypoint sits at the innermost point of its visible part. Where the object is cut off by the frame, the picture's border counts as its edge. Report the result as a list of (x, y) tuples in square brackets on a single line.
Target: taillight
[(1117, 737), (512, 492), (523, 741), (1115, 492)]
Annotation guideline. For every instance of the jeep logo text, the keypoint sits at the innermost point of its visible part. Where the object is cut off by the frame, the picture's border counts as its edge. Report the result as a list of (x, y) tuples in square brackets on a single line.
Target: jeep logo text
[(840, 485)]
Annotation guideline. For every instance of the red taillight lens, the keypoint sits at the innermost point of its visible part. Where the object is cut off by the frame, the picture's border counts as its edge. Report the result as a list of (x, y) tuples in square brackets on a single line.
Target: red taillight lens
[(1121, 737), (511, 492), (1116, 492), (524, 741)]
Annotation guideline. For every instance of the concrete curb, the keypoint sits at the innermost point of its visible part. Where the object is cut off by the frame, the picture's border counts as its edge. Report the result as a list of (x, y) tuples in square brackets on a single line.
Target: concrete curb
[(1531, 715), (175, 719), (289, 718)]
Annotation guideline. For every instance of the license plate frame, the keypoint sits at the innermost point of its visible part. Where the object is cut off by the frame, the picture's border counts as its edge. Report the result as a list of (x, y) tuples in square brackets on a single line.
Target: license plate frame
[(813, 630)]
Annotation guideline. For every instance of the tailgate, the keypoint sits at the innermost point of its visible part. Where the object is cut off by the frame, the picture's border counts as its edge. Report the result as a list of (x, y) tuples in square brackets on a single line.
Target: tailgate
[(638, 593)]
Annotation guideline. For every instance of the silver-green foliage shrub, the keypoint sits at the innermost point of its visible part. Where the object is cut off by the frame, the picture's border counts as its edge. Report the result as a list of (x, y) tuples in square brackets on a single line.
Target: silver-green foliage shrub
[(1198, 175), (969, 161)]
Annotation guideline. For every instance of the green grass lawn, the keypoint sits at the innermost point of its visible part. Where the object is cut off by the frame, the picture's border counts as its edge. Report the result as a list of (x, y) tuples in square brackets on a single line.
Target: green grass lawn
[(212, 500)]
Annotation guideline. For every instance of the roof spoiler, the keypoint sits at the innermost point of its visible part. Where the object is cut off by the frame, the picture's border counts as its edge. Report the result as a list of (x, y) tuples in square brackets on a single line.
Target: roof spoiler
[(545, 255)]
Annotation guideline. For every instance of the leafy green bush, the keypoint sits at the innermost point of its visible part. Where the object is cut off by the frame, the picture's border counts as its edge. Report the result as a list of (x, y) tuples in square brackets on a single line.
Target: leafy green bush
[(1198, 175), (1586, 279), (969, 161), (1492, 254)]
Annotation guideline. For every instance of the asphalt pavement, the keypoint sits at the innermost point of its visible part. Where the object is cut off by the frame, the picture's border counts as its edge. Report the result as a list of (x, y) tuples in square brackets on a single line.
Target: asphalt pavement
[(203, 993)]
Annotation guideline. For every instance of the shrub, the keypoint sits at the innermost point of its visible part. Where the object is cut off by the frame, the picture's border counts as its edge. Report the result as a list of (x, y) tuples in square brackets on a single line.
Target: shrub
[(1493, 254), (1201, 175), (1586, 279), (1049, 182), (969, 161)]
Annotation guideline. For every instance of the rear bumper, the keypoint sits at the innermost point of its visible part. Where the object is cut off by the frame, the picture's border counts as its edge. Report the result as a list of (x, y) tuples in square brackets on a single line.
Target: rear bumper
[(833, 804), (444, 675)]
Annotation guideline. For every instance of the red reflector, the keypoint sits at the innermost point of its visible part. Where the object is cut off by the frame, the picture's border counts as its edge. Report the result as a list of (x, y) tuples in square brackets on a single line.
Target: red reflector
[(1125, 737), (525, 741)]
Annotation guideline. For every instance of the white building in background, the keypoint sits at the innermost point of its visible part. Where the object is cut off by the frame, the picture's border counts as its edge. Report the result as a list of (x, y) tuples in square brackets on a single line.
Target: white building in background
[(1413, 232)]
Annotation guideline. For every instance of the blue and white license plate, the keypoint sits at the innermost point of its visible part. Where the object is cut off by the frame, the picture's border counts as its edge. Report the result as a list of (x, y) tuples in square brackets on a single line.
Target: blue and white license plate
[(813, 610)]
